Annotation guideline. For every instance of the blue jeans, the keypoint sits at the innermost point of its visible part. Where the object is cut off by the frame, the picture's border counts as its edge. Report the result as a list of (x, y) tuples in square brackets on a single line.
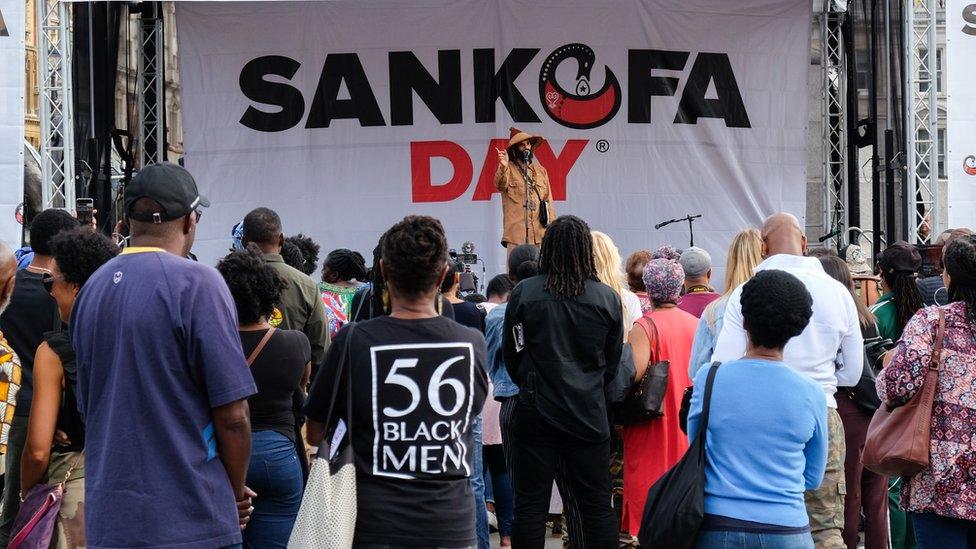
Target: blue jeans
[(937, 532), (501, 484), (724, 539), (276, 476), (478, 485)]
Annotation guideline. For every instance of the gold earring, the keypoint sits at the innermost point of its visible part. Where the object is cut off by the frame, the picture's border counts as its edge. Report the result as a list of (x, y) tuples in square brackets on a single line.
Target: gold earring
[(386, 299)]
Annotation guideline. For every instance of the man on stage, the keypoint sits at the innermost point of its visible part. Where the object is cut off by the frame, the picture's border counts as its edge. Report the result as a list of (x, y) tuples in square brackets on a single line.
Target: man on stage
[(526, 208)]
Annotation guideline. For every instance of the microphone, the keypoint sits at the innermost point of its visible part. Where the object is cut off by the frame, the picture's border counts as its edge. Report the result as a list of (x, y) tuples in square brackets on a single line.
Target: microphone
[(688, 218), (830, 235)]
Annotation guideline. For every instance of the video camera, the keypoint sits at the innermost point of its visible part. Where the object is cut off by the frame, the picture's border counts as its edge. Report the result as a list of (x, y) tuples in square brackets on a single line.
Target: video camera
[(466, 259)]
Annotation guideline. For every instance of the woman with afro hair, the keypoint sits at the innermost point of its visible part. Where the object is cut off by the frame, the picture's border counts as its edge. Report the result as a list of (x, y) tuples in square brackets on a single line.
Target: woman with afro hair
[(767, 428), (280, 361), (76, 253)]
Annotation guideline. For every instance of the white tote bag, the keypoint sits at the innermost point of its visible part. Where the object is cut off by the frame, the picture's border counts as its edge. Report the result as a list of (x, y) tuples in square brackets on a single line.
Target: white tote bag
[(327, 516)]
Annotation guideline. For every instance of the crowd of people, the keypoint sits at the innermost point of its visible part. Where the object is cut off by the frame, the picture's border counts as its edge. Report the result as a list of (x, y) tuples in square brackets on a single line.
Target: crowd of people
[(175, 404)]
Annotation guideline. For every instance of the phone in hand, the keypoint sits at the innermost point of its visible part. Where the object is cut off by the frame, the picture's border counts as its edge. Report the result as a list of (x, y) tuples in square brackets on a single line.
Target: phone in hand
[(83, 211)]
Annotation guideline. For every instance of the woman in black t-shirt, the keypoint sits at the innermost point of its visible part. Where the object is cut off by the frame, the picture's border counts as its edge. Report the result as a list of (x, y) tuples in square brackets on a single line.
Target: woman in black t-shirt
[(77, 254), (418, 381), (280, 364)]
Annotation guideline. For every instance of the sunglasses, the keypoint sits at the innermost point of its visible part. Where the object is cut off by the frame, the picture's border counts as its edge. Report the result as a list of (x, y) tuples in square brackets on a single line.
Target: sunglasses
[(47, 279)]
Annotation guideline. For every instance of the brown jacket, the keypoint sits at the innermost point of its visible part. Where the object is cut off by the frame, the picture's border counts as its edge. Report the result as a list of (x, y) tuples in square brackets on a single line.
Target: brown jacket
[(512, 186)]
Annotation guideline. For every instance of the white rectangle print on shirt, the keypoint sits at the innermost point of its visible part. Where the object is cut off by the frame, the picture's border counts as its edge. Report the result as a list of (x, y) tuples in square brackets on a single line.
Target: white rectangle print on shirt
[(423, 395)]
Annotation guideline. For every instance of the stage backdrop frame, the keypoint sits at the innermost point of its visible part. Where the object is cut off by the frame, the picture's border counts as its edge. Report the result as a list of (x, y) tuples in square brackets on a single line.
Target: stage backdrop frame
[(345, 116)]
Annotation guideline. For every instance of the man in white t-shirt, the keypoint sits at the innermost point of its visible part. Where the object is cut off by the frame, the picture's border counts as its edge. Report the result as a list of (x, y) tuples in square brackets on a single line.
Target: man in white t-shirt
[(830, 351)]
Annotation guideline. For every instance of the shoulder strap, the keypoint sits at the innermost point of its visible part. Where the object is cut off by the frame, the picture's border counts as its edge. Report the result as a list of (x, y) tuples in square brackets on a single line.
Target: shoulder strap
[(344, 366), (939, 336), (872, 331), (257, 350), (650, 328), (707, 399)]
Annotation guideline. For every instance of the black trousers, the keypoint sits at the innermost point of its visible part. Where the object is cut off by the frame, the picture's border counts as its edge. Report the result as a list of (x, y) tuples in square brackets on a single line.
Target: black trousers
[(573, 533), (540, 454)]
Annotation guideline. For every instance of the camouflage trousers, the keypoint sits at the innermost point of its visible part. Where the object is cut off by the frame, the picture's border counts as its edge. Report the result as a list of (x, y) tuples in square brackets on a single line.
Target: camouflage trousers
[(825, 505), (69, 532)]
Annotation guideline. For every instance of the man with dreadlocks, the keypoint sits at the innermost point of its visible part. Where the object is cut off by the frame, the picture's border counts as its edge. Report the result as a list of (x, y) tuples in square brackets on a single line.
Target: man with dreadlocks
[(562, 342), (526, 194)]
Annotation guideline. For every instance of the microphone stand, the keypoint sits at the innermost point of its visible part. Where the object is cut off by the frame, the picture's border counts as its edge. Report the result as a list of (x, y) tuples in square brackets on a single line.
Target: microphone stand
[(526, 179), (691, 227)]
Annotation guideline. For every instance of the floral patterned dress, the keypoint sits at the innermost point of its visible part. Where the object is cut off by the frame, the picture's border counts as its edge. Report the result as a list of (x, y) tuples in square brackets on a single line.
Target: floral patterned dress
[(948, 487), (338, 301)]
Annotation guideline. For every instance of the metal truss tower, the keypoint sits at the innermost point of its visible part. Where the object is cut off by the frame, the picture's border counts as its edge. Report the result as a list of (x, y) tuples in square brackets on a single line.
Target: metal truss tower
[(151, 84), (921, 120), (57, 128), (833, 119)]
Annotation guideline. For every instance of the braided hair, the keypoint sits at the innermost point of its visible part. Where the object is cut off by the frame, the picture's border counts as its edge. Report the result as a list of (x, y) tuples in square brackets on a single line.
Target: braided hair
[(907, 298), (345, 264), (960, 262), (254, 284), (566, 257), (376, 305), (415, 254)]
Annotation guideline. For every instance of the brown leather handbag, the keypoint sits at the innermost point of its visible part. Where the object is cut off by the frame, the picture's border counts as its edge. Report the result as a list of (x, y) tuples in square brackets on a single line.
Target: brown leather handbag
[(898, 440)]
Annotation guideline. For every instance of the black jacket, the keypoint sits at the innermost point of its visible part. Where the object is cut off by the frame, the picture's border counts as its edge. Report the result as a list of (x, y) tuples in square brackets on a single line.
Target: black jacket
[(572, 350)]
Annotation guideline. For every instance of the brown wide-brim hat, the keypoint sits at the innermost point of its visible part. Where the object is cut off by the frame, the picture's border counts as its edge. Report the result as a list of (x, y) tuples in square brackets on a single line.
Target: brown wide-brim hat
[(518, 136)]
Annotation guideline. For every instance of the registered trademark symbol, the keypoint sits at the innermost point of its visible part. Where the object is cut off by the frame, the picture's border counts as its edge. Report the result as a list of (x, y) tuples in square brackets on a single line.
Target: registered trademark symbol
[(603, 145)]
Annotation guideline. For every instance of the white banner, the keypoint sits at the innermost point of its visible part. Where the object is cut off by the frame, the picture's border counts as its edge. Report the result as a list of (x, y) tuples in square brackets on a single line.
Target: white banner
[(12, 54), (345, 116), (961, 111)]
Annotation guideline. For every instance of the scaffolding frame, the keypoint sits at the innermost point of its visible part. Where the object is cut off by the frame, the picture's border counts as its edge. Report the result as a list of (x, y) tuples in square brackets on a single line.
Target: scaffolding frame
[(921, 120), (57, 153), (833, 121), (150, 82)]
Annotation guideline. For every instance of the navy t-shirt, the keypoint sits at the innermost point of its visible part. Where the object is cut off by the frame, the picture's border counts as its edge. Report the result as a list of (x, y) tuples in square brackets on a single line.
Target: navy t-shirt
[(158, 348)]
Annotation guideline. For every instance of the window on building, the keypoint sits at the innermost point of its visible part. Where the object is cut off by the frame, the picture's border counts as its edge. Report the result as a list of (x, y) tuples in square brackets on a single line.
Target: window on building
[(942, 152), (862, 65), (923, 73), (939, 69)]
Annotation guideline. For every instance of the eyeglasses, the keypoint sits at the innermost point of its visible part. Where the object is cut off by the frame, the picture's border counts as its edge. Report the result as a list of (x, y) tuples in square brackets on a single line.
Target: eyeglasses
[(199, 212), (47, 279)]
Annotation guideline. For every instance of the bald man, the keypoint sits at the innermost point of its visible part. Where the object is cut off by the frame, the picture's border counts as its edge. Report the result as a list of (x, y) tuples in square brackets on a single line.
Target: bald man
[(10, 371), (830, 351)]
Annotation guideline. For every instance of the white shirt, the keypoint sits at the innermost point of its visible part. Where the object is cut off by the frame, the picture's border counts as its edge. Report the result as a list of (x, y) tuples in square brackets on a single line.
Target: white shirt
[(830, 350), (632, 309)]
